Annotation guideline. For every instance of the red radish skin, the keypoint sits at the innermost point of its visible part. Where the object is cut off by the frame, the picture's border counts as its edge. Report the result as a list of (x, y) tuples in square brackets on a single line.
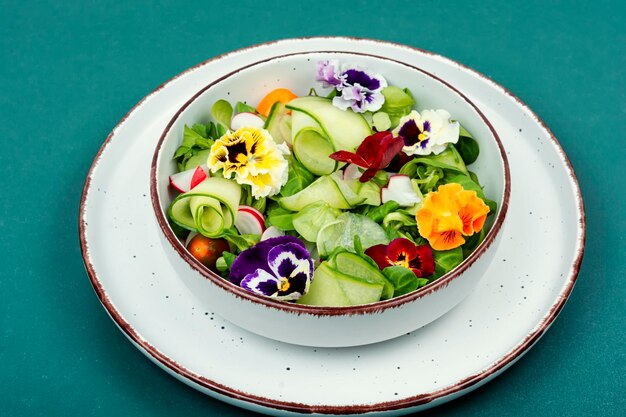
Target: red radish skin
[(186, 180), (249, 221), (246, 119), (199, 175)]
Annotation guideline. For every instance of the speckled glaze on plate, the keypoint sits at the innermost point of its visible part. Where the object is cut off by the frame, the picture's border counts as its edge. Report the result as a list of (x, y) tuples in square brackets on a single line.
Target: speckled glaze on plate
[(535, 269)]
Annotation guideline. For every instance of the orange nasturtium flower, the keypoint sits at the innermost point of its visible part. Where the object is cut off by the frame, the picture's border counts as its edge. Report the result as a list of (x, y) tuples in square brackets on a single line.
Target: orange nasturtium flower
[(450, 213)]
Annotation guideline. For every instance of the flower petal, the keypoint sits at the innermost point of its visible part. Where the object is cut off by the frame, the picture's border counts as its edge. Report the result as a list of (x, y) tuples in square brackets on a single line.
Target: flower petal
[(255, 257), (379, 254), (423, 265), (349, 157), (328, 73), (261, 282), (401, 248)]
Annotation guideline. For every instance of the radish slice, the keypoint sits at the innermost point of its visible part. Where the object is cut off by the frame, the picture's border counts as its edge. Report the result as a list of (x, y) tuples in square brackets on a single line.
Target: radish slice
[(186, 180), (351, 172), (246, 119), (199, 175), (400, 190), (272, 231), (249, 221)]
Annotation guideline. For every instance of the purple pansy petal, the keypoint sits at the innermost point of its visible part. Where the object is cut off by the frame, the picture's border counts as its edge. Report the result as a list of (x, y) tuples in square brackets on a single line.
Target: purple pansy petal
[(299, 283), (288, 260), (328, 74), (410, 132), (255, 257), (261, 282), (356, 76)]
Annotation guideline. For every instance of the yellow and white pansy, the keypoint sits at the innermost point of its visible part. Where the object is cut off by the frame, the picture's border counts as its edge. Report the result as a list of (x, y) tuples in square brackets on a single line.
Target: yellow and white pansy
[(253, 158)]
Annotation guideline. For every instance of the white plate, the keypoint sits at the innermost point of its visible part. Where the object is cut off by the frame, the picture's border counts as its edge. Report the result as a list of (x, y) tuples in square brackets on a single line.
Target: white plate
[(535, 269)]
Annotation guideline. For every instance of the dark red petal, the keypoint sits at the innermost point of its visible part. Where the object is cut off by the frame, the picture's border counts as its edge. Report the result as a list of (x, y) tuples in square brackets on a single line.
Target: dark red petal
[(370, 149), (379, 254), (351, 158), (368, 174), (424, 261), (391, 147), (399, 162), (401, 246)]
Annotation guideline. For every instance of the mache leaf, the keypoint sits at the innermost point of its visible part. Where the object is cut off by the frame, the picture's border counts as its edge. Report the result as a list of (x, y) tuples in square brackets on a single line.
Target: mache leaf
[(222, 112), (298, 178), (445, 261), (241, 107), (403, 279)]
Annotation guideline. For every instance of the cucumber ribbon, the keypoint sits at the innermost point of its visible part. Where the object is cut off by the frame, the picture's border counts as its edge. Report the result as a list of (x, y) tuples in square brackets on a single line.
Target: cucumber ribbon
[(209, 208)]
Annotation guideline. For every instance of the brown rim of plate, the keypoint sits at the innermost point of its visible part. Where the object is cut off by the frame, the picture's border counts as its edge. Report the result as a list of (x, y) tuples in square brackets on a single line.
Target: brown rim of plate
[(372, 308), (219, 389)]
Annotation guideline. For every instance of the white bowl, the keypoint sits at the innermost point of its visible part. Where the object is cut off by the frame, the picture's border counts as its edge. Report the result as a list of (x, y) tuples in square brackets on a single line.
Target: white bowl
[(331, 326)]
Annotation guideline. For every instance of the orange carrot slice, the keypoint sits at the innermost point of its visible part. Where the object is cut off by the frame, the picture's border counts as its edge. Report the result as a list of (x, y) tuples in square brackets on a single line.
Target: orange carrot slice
[(280, 94)]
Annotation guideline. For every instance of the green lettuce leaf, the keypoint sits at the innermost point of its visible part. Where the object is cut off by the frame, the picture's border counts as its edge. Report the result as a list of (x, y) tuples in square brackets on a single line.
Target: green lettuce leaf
[(299, 178), (280, 218)]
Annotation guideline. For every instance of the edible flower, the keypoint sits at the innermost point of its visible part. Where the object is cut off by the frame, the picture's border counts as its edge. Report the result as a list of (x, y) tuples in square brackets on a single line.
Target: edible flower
[(374, 153), (449, 214), (355, 87), (428, 132), (403, 252), (252, 156), (279, 267)]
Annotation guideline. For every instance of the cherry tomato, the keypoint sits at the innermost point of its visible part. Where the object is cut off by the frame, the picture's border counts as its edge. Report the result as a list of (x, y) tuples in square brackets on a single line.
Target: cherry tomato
[(207, 250)]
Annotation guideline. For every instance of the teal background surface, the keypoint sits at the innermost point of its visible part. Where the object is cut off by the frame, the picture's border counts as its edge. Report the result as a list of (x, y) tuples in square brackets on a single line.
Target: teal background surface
[(70, 70)]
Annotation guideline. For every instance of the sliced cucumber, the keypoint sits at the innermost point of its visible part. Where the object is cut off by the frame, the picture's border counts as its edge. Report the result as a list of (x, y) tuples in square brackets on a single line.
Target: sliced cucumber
[(351, 197), (322, 189), (330, 287), (345, 129), (357, 290), (353, 264), (370, 191), (312, 150), (341, 232), (301, 120), (324, 290), (198, 159), (278, 123), (209, 208), (312, 218)]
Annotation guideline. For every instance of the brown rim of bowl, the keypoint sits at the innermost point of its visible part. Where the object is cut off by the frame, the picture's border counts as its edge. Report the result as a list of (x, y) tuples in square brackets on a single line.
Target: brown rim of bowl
[(377, 307), (460, 387)]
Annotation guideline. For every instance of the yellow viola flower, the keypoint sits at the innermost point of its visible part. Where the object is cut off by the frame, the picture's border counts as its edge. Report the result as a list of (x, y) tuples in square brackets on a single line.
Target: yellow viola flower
[(252, 157), (450, 213)]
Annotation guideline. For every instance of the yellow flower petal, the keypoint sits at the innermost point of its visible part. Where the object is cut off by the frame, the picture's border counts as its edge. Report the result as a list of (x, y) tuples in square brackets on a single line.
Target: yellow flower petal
[(253, 157)]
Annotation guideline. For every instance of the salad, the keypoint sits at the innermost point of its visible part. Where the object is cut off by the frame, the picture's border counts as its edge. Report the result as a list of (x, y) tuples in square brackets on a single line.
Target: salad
[(337, 199)]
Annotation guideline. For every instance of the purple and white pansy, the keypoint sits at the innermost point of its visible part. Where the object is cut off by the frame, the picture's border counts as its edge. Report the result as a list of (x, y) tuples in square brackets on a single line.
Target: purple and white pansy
[(356, 88), (428, 132), (279, 267)]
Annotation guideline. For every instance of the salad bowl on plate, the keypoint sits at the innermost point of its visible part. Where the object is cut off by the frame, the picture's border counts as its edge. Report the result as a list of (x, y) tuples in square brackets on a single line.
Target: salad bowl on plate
[(330, 199)]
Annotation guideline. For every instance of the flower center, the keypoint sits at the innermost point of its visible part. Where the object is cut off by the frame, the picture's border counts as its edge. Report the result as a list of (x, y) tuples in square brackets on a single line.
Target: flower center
[(283, 284), (402, 260)]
